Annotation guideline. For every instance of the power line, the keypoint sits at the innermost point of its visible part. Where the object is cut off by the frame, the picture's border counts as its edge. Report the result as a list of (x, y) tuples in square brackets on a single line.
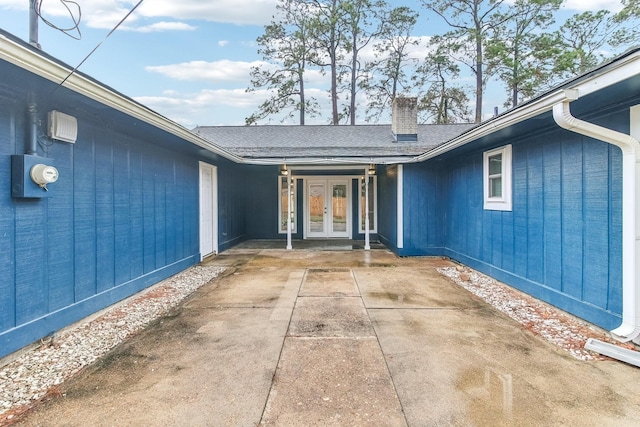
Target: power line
[(37, 7), (99, 44)]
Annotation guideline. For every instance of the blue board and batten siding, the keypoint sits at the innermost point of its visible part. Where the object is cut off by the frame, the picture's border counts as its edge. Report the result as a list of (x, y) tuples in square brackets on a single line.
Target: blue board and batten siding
[(388, 206), (560, 242), (122, 216), (423, 219)]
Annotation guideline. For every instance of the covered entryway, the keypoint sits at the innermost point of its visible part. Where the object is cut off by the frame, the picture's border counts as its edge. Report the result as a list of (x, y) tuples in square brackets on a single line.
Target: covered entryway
[(327, 208)]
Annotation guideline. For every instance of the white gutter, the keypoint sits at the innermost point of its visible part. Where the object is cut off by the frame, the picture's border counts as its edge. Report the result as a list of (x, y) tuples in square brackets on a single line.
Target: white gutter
[(630, 327), (55, 72)]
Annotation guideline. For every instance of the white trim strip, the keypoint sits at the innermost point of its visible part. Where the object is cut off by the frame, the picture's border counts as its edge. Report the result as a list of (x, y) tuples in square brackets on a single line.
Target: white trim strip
[(400, 209), (366, 209)]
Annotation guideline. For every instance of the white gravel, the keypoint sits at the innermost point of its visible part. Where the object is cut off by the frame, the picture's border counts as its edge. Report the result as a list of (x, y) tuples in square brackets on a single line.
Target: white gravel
[(552, 324), (29, 377)]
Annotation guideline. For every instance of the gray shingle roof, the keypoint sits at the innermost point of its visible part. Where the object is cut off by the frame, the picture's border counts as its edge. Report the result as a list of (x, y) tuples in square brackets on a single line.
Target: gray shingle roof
[(325, 140)]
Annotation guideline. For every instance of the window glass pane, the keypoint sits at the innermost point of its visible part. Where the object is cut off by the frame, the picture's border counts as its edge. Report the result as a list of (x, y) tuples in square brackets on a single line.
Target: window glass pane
[(363, 204), (339, 206), (495, 164), (284, 203), (316, 208), (495, 187), (497, 179)]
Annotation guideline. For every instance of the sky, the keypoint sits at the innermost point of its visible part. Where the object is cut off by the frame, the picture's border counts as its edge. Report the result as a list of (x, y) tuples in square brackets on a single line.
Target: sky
[(189, 60)]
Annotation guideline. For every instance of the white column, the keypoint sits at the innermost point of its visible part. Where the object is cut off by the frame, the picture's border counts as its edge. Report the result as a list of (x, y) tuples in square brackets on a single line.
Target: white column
[(289, 203), (366, 210)]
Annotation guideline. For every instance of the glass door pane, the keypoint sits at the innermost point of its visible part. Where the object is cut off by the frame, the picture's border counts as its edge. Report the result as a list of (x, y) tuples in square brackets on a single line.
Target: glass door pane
[(363, 205), (339, 208), (316, 207), (287, 197)]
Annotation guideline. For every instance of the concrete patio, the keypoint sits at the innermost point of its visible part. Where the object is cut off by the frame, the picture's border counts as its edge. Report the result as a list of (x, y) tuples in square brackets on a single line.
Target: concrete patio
[(329, 337)]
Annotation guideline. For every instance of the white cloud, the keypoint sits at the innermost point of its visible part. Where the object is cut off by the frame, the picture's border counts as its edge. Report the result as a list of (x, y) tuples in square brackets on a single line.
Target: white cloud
[(106, 14), (593, 5), (216, 71), (204, 107), (241, 12), (584, 5), (163, 26), (14, 4), (220, 106), (417, 51), (223, 43), (224, 71)]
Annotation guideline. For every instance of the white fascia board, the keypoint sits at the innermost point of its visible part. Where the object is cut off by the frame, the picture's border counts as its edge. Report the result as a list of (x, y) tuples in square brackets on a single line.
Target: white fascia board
[(28, 60), (609, 75), (334, 162)]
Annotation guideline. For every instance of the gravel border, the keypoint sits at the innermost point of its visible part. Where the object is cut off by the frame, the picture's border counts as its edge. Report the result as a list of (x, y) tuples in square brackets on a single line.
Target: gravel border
[(33, 374), (555, 326)]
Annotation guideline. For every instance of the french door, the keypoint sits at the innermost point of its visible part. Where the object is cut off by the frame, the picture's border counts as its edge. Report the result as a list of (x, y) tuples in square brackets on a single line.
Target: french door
[(328, 212)]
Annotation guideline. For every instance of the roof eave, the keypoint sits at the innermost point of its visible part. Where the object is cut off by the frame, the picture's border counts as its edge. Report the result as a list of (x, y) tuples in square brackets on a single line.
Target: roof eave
[(30, 60), (609, 74), (328, 160)]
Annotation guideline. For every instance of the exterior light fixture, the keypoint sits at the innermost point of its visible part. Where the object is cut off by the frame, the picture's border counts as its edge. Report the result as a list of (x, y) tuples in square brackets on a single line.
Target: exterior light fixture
[(372, 169), (284, 170)]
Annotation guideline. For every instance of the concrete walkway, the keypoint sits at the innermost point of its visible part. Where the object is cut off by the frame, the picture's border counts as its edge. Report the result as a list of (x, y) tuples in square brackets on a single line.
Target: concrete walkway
[(341, 338)]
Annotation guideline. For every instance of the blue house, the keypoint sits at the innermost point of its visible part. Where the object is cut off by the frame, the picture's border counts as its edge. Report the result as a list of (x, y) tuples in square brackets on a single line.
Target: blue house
[(104, 197)]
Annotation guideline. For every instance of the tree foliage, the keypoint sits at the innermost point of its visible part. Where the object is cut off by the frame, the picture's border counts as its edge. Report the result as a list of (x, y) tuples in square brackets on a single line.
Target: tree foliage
[(328, 29), (364, 21), (388, 74), (287, 47), (472, 23), (516, 51), (584, 38), (442, 102), (365, 50)]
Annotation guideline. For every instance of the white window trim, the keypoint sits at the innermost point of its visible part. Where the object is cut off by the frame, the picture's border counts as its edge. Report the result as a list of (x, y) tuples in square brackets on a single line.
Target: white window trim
[(503, 203), (374, 229), (294, 229)]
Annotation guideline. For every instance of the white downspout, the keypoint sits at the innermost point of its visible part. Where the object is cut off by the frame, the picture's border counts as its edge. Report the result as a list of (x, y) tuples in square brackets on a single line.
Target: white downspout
[(630, 327)]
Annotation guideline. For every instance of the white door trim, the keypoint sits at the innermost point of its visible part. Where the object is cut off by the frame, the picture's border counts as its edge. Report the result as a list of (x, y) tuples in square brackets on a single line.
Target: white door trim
[(208, 213)]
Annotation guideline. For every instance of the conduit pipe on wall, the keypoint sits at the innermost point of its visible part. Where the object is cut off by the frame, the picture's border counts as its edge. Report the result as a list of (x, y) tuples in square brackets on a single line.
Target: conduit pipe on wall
[(630, 327), (32, 138)]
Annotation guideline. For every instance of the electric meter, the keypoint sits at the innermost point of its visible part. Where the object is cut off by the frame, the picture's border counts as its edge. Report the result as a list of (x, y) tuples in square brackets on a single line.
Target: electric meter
[(42, 175)]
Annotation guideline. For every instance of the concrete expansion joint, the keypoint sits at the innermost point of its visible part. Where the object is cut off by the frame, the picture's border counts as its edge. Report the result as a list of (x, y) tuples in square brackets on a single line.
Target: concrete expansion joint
[(337, 338), (422, 308)]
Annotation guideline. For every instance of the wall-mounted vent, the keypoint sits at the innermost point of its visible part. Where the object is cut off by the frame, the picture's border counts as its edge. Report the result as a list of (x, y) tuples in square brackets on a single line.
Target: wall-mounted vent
[(62, 127)]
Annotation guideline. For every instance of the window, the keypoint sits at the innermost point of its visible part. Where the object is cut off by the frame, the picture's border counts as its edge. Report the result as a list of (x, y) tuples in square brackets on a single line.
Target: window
[(285, 196), (497, 179), (373, 220)]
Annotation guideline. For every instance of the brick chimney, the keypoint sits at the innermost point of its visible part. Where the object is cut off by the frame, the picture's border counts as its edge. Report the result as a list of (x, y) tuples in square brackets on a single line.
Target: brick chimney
[(404, 119)]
